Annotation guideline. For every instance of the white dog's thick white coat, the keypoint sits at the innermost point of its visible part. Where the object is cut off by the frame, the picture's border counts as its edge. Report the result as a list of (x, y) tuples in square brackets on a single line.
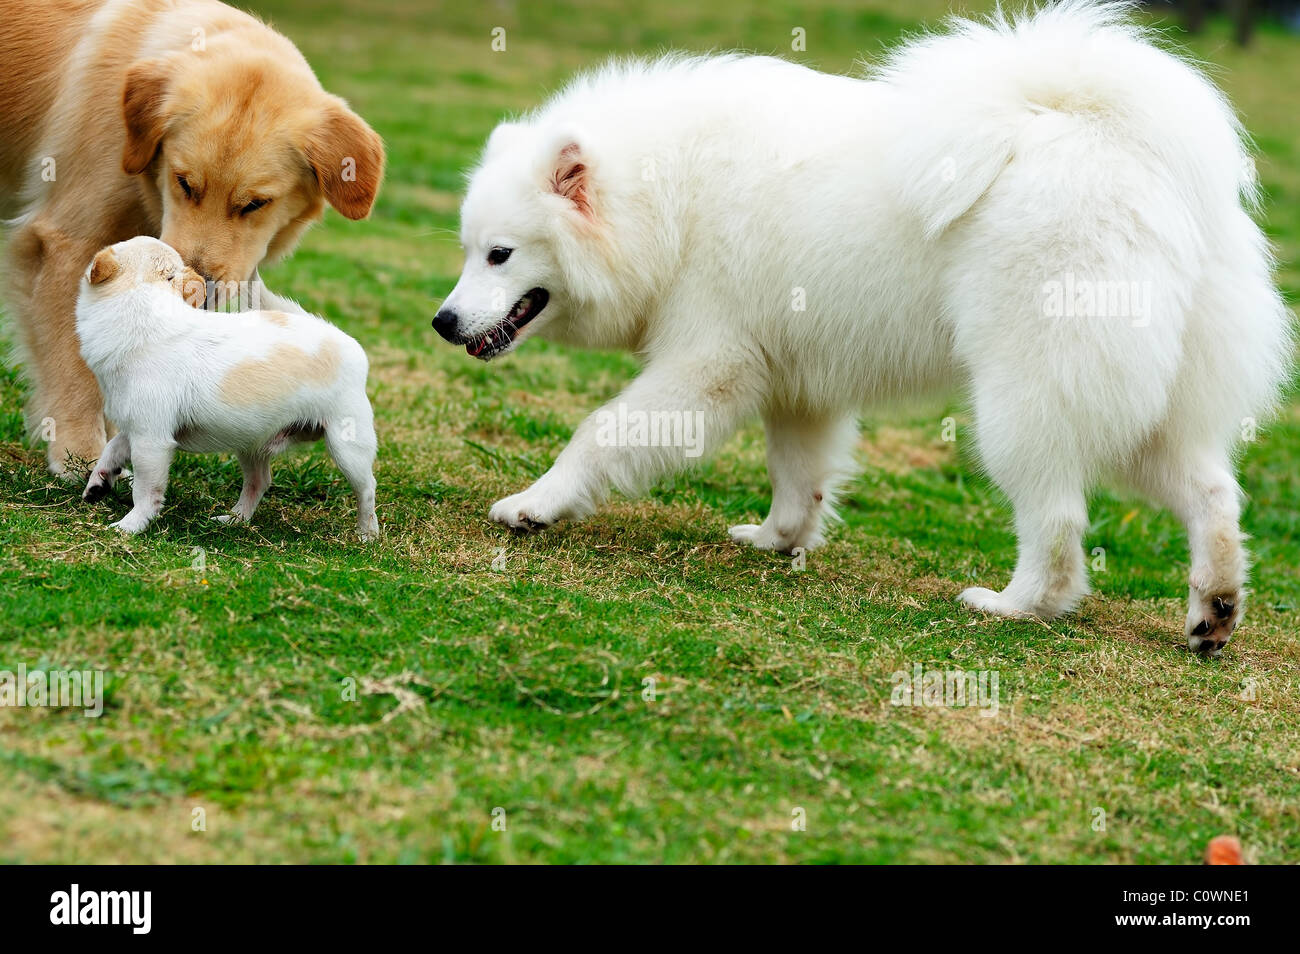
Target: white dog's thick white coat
[(1045, 212), (253, 383)]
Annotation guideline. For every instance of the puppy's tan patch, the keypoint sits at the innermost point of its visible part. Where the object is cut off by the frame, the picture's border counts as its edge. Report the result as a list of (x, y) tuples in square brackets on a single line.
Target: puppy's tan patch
[(285, 369), (277, 318)]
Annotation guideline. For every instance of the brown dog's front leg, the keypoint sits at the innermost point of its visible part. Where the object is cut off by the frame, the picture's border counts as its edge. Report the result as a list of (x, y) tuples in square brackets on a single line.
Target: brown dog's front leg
[(65, 410)]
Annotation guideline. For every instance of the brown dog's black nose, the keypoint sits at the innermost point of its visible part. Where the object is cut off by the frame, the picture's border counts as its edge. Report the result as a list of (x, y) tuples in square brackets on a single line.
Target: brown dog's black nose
[(446, 323)]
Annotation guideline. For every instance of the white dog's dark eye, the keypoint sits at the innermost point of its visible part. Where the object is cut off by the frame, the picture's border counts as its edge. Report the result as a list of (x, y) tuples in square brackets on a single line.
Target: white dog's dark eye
[(498, 255)]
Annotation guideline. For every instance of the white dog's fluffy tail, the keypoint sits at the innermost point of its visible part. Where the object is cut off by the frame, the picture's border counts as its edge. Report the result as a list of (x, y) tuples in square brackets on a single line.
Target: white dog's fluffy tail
[(979, 84)]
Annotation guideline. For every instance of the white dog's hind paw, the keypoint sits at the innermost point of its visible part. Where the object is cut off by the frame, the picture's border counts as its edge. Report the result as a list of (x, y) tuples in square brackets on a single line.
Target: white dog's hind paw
[(1211, 620), (523, 511), (763, 537), (229, 518), (989, 601)]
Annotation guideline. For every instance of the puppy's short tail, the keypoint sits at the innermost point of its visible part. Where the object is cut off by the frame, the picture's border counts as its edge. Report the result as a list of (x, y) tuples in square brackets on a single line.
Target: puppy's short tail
[(966, 95)]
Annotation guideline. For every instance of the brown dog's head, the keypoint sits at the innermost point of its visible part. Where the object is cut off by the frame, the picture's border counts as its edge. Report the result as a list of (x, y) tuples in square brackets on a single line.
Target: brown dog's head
[(239, 150)]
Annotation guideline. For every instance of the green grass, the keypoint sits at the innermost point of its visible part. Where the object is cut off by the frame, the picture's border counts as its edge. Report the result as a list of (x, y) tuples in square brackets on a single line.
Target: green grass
[(525, 689)]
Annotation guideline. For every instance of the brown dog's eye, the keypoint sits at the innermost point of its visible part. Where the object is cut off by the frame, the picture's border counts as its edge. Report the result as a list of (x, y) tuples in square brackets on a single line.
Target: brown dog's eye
[(185, 187), (254, 206)]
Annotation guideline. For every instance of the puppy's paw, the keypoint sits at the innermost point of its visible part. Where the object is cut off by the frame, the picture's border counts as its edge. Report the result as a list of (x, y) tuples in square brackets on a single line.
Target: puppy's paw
[(131, 524), (100, 483), (524, 511), (765, 536), (368, 530), (94, 492), (1212, 619), (228, 518), (989, 601)]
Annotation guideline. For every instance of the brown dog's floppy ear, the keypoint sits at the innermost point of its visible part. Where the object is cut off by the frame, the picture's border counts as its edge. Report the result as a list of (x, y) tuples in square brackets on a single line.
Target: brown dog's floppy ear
[(143, 109), (103, 267), (571, 178), (348, 159)]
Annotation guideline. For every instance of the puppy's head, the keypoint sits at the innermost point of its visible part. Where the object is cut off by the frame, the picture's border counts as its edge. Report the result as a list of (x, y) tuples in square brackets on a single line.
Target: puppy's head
[(142, 261), (238, 148), (528, 223)]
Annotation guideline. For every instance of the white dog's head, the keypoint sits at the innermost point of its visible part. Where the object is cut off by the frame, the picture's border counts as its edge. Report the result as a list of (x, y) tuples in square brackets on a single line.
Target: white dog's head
[(141, 261), (529, 209)]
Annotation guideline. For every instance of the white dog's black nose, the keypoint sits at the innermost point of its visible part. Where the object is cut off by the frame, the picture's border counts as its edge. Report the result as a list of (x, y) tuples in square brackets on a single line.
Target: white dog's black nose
[(445, 322)]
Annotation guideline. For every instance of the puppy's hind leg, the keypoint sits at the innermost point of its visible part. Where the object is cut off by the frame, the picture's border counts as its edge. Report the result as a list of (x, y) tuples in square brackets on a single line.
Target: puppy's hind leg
[(151, 459), (257, 479), (350, 439), (806, 461), (108, 468)]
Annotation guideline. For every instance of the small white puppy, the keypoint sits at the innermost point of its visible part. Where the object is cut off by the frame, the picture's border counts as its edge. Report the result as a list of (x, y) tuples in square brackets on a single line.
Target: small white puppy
[(252, 383)]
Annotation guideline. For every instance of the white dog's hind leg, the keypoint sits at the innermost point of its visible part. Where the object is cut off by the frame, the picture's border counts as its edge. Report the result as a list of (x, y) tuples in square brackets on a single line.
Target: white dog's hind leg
[(108, 468), (151, 460), (701, 399), (1049, 578), (351, 441), (1202, 492), (1043, 472), (257, 480), (807, 459)]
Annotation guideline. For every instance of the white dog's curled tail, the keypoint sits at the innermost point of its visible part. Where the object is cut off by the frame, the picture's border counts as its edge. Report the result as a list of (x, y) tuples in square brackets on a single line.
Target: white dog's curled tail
[(980, 84)]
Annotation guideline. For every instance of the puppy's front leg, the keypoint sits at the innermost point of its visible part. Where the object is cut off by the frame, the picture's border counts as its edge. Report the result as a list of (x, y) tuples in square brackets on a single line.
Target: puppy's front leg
[(151, 459), (107, 469), (677, 410)]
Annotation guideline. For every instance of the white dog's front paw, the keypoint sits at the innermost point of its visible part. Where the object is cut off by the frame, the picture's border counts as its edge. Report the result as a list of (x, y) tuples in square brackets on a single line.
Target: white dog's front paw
[(529, 510), (989, 601), (131, 524), (765, 537), (229, 518)]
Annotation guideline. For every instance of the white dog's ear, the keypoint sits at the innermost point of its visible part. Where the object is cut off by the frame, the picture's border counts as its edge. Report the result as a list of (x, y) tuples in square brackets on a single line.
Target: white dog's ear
[(570, 174), (104, 267), (502, 136)]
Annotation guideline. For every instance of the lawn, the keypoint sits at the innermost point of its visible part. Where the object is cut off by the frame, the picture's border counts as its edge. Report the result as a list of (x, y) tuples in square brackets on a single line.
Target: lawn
[(634, 688)]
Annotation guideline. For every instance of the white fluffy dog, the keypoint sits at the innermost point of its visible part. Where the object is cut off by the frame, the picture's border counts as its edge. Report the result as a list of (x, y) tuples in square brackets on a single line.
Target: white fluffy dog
[(252, 383), (1046, 213)]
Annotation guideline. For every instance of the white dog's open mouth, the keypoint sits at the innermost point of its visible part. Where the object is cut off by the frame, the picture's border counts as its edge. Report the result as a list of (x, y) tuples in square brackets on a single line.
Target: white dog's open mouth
[(495, 340)]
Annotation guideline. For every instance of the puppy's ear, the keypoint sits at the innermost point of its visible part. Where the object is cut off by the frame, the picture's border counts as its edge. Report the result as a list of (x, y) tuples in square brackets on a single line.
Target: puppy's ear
[(570, 175), (348, 159), (104, 267), (144, 108)]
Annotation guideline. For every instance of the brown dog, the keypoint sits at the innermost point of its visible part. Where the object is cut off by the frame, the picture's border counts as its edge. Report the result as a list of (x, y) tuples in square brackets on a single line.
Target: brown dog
[(182, 119)]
